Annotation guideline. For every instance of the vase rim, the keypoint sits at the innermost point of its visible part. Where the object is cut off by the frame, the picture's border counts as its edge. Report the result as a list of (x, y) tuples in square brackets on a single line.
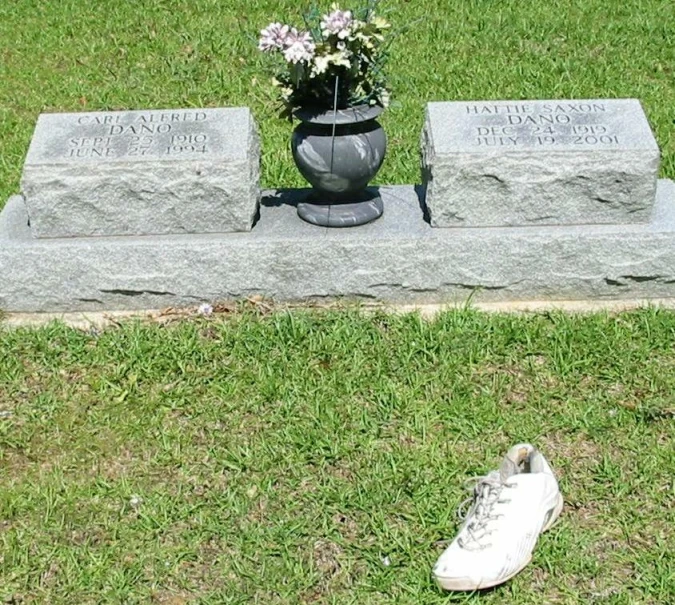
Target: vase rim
[(348, 115)]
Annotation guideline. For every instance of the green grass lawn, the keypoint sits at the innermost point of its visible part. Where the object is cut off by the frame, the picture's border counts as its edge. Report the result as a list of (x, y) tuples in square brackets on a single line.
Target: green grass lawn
[(75, 55), (318, 457), (286, 458)]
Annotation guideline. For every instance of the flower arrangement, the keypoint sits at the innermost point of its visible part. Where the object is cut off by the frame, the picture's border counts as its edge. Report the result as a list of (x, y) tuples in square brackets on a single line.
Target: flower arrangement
[(339, 56)]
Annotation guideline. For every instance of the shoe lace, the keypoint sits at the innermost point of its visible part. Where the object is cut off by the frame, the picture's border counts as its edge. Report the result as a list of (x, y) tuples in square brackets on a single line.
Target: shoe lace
[(487, 491)]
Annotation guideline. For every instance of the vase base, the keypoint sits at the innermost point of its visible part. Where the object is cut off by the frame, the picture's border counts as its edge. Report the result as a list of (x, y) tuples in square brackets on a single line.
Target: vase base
[(366, 208)]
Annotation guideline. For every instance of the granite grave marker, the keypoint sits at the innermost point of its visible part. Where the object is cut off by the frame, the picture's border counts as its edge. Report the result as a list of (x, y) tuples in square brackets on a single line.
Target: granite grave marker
[(509, 163), (142, 172)]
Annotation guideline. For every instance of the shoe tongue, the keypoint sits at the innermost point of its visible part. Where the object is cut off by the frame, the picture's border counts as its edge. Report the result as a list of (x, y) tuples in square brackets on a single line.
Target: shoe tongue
[(511, 463)]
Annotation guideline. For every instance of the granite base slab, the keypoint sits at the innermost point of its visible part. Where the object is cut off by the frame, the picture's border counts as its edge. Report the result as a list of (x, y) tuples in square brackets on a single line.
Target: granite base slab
[(398, 259)]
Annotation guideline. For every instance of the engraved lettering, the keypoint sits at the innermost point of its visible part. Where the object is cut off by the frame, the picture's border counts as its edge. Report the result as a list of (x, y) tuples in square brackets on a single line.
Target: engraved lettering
[(594, 140), (90, 152), (498, 109), (139, 129), (166, 117), (589, 129), (105, 136), (573, 108), (497, 141), (103, 120), (188, 138), (90, 141), (543, 130), (539, 119)]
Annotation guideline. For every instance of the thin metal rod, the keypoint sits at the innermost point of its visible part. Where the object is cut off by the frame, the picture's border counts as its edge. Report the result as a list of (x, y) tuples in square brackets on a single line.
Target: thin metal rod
[(332, 141)]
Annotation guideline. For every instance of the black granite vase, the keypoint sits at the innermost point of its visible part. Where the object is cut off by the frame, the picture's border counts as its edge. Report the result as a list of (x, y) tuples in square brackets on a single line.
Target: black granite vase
[(339, 168)]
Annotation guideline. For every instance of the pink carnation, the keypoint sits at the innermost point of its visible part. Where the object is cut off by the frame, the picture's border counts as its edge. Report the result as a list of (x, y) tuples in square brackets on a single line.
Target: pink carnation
[(273, 37), (299, 47), (337, 23)]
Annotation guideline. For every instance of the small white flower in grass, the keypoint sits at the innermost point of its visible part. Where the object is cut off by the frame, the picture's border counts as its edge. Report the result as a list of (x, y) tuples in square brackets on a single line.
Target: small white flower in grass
[(205, 309), (135, 501), (386, 561), (612, 413), (338, 23), (299, 47), (273, 37)]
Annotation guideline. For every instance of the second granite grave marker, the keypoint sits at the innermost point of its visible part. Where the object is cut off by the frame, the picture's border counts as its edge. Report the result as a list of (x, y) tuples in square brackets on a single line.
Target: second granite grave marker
[(508, 163)]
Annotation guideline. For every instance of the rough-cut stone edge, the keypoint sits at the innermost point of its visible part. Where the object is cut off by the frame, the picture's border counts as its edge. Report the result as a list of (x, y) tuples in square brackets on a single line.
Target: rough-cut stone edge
[(444, 211), (428, 162), (254, 151), (48, 225)]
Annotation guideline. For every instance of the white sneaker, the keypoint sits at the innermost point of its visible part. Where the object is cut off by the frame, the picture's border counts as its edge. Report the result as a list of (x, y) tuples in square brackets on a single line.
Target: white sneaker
[(510, 508)]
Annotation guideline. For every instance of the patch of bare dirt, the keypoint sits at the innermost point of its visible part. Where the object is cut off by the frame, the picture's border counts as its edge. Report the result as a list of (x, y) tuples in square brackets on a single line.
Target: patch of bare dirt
[(326, 556)]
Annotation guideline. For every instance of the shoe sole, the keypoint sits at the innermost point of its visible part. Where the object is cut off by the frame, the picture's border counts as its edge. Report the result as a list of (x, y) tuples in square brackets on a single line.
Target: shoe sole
[(465, 584)]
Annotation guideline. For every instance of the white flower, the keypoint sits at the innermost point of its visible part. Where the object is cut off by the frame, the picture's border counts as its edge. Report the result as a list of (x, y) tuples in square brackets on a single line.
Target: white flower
[(273, 37), (299, 47), (135, 501), (285, 91), (338, 23), (321, 62), (205, 309)]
